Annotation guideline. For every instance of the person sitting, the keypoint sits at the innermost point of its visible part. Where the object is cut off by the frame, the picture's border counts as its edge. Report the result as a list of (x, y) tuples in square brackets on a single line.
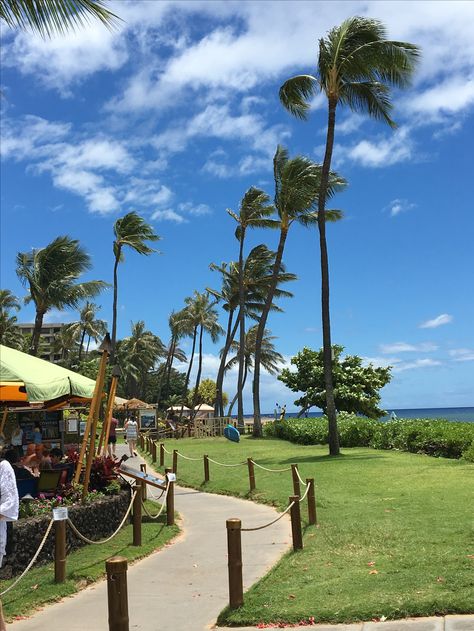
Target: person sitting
[(56, 456), (45, 460), (21, 472)]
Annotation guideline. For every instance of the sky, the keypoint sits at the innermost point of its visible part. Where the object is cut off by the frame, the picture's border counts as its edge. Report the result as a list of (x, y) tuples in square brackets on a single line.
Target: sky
[(175, 114)]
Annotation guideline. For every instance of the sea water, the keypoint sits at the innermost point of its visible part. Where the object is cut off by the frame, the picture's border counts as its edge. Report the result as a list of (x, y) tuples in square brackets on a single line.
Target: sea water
[(465, 415)]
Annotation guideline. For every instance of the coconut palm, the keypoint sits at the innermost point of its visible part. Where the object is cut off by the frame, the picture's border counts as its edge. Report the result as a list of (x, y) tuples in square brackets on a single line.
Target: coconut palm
[(66, 343), (8, 301), (173, 351), (357, 65), (48, 17), (10, 334), (88, 325), (297, 183), (51, 274), (254, 212), (130, 231), (270, 358)]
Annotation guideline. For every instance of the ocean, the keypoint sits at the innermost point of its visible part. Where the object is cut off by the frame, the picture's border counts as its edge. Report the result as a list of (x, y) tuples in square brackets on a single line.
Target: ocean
[(465, 415)]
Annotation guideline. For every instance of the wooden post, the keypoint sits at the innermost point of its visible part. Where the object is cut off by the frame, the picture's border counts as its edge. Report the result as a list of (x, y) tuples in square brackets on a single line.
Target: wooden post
[(117, 593), (170, 501), (251, 474), (153, 451), (296, 523), (137, 515), (60, 551), (312, 518), (175, 461), (162, 455), (104, 436), (144, 487), (4, 420), (296, 480), (234, 555), (206, 468)]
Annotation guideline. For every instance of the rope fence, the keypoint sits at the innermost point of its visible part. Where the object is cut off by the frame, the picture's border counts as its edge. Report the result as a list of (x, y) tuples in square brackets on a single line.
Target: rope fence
[(271, 470), (270, 523), (161, 508)]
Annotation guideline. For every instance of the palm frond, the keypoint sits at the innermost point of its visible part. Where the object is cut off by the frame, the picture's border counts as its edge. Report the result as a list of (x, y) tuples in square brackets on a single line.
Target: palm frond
[(372, 97), (296, 92)]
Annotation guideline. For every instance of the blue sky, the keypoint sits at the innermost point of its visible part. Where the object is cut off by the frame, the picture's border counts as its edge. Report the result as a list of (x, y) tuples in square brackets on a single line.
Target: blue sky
[(176, 114)]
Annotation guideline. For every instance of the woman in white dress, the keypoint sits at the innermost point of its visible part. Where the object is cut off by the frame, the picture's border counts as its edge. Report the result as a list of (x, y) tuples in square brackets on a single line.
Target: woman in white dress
[(131, 435), (8, 511)]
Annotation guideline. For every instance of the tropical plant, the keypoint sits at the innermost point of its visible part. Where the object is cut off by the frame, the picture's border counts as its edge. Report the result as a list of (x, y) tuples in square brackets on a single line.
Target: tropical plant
[(173, 352), (297, 182), (270, 358), (88, 325), (65, 344), (10, 334), (130, 231), (207, 393), (51, 274), (48, 17), (254, 212), (357, 65)]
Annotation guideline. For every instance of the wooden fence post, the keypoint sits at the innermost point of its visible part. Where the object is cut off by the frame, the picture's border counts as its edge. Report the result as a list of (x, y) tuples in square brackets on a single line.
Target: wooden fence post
[(312, 517), (170, 501), (296, 523), (234, 554), (296, 480), (117, 593), (144, 487), (251, 474), (60, 551), (137, 514), (153, 451), (162, 455), (175, 461), (206, 468)]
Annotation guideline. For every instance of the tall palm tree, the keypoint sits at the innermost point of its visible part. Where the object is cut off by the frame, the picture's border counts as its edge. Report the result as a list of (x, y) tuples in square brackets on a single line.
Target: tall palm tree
[(8, 301), (130, 231), (173, 351), (51, 274), (270, 358), (88, 325), (357, 66), (254, 212), (297, 182), (65, 343), (10, 334), (48, 17)]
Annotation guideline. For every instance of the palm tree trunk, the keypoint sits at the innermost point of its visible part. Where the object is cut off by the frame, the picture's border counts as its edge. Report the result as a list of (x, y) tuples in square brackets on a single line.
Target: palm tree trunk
[(246, 370), (169, 367), (88, 342), (240, 398), (82, 343), (163, 374), (327, 348), (257, 421), (188, 374), (114, 308), (198, 376), (219, 406), (35, 338)]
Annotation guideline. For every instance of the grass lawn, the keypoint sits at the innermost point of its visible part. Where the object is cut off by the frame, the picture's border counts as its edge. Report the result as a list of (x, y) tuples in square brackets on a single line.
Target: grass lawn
[(84, 566), (395, 537)]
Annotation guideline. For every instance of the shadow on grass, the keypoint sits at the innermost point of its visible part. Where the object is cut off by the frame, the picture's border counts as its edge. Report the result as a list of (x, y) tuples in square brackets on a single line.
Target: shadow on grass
[(328, 458)]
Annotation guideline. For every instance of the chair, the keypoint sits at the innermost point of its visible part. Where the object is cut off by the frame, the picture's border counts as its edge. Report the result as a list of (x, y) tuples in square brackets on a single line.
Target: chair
[(48, 481)]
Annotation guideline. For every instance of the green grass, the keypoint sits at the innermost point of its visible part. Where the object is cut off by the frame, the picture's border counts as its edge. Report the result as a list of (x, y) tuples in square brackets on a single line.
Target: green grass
[(84, 566), (409, 516)]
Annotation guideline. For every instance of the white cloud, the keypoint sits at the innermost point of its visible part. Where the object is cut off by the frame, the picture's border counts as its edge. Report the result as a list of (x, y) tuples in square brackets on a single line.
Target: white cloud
[(198, 210), (417, 363), (58, 316), (443, 318), (462, 354), (398, 206), (398, 147), (451, 96), (168, 215), (404, 347), (381, 362)]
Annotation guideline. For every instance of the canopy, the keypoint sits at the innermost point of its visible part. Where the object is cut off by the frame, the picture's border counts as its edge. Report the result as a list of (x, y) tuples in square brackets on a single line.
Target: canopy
[(134, 404), (203, 407), (176, 408), (24, 378)]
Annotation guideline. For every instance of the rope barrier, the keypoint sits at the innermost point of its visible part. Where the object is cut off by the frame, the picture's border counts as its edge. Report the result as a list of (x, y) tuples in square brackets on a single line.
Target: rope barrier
[(271, 470), (222, 464), (187, 457), (300, 478), (166, 451), (161, 509), (31, 563), (91, 541), (270, 523), (304, 494)]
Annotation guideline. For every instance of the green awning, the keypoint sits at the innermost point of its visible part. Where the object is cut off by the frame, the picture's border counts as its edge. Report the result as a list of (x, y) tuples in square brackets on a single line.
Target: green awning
[(43, 380)]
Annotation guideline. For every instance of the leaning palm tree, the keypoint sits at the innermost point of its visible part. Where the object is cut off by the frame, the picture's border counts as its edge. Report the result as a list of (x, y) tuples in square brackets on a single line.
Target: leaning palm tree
[(357, 65), (297, 182), (48, 17), (51, 274), (88, 325), (270, 358), (8, 301), (130, 231), (254, 212), (173, 351)]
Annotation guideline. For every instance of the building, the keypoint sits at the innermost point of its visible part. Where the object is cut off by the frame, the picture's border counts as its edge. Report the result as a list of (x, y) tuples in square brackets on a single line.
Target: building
[(48, 333)]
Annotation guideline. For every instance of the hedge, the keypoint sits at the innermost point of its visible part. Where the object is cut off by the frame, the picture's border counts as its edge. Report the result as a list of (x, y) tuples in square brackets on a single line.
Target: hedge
[(434, 437)]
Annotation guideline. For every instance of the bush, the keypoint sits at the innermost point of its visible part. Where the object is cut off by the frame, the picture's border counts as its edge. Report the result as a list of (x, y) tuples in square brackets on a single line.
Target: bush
[(434, 437)]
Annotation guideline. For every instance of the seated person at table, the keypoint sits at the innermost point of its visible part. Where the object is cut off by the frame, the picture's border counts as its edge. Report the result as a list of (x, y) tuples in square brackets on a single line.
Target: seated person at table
[(44, 459), (56, 456), (21, 472)]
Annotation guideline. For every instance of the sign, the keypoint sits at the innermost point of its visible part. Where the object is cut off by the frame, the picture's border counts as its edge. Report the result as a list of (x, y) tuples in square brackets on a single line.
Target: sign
[(142, 476), (147, 419), (82, 427), (60, 514), (171, 477), (72, 425)]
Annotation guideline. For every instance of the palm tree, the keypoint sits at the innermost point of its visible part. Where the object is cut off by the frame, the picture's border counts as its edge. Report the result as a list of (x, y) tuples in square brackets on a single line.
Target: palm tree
[(270, 358), (132, 231), (173, 352), (51, 274), (88, 325), (48, 17), (65, 343), (8, 301), (10, 334), (357, 65), (297, 183), (254, 212)]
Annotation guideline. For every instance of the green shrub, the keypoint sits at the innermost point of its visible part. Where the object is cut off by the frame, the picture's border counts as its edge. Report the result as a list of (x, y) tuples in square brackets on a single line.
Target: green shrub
[(434, 437)]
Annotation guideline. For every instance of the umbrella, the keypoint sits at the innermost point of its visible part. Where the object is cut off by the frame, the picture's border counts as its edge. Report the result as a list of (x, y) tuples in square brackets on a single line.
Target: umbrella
[(203, 407), (136, 404), (176, 408), (27, 379)]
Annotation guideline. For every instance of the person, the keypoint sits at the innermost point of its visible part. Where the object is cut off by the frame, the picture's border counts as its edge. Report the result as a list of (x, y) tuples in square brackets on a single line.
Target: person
[(21, 472), (131, 434), (283, 413), (56, 455), (45, 460), (9, 506), (16, 440), (37, 435), (112, 441)]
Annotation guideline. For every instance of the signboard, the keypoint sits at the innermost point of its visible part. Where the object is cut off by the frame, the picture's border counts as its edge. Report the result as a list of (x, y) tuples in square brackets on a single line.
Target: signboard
[(171, 477), (60, 514), (72, 425), (147, 419), (142, 476)]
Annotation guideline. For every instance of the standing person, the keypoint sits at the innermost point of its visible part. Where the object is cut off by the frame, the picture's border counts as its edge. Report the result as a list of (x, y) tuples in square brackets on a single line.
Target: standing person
[(9, 504), (112, 441), (16, 440), (37, 435), (131, 435)]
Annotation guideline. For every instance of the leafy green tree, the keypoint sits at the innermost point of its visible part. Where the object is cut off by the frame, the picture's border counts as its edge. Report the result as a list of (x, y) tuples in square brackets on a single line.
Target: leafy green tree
[(51, 274), (49, 17), (10, 334), (207, 393), (357, 65), (356, 387), (297, 182), (154, 383), (130, 231)]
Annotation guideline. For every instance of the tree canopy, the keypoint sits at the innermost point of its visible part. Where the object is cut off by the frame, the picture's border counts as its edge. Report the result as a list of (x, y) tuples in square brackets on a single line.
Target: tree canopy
[(356, 387)]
